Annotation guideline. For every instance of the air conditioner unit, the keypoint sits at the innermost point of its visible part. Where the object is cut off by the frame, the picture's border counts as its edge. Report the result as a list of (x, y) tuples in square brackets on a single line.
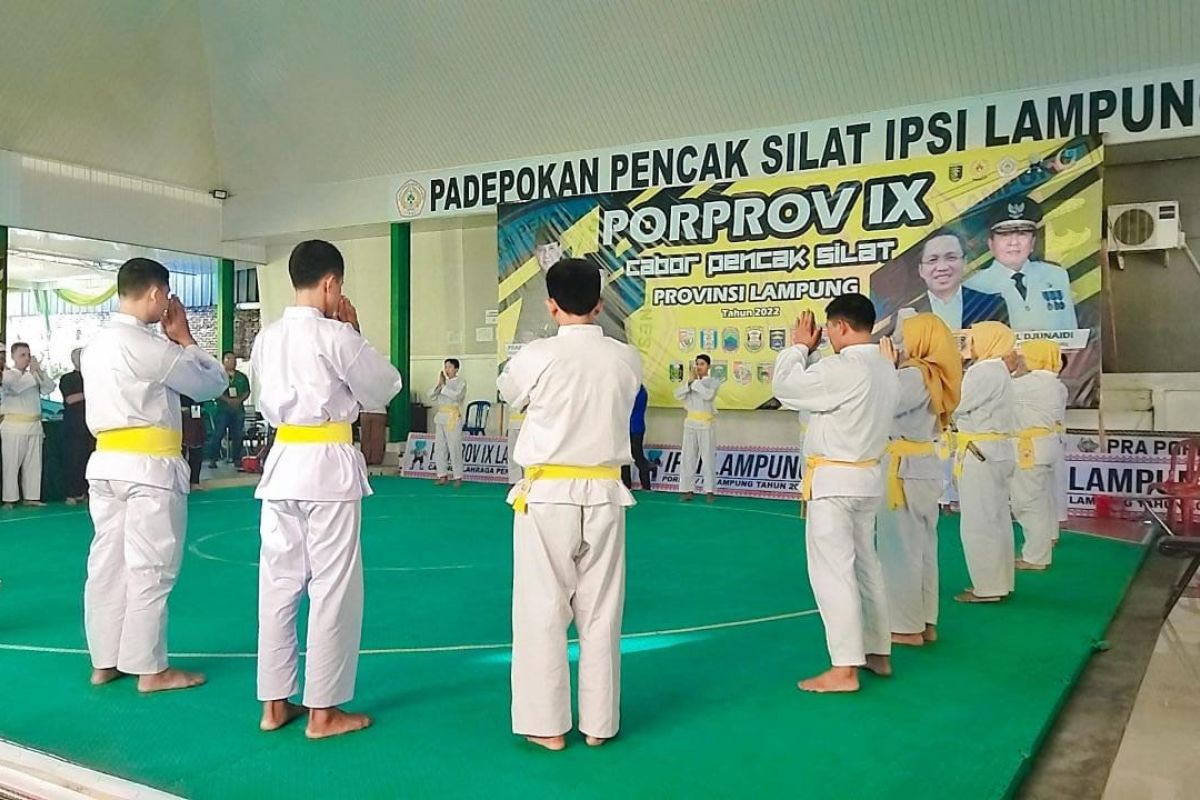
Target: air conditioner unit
[(1138, 227)]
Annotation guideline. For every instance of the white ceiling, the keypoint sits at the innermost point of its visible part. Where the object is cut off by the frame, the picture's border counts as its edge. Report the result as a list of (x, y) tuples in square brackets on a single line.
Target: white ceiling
[(260, 94)]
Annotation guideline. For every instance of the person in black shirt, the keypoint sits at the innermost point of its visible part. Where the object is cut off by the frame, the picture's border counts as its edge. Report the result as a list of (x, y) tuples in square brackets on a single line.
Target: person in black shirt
[(78, 442)]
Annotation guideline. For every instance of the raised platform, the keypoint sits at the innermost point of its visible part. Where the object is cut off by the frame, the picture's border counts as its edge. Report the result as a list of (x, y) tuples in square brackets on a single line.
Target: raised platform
[(720, 623)]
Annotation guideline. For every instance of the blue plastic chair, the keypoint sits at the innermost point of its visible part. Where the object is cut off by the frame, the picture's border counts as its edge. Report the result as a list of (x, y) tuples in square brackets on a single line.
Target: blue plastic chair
[(475, 420)]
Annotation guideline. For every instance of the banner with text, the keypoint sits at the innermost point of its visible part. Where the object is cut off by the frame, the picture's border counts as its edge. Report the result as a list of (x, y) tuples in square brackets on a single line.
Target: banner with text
[(724, 268)]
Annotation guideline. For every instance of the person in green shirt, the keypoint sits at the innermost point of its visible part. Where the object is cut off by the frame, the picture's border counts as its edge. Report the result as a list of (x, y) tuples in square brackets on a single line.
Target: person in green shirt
[(231, 413)]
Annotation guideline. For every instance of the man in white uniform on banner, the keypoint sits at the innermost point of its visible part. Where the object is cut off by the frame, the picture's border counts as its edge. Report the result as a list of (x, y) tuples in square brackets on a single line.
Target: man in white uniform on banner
[(1038, 294), (699, 398), (138, 479), (569, 513), (852, 398), (21, 434), (983, 463), (1040, 407), (447, 397), (313, 370), (930, 377)]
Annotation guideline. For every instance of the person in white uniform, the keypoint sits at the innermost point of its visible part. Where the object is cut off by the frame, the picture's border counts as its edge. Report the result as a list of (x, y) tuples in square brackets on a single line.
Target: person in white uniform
[(312, 487), (852, 399), (569, 513), (983, 466), (1040, 407), (516, 418), (930, 379), (21, 436), (699, 398), (1038, 294), (447, 397), (137, 478)]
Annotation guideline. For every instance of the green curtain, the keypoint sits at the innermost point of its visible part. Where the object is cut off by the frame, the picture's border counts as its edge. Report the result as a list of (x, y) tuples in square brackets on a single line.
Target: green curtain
[(81, 299)]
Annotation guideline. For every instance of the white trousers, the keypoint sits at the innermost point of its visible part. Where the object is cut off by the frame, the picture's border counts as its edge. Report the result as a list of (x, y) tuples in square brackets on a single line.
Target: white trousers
[(908, 553), (699, 450), (949, 490), (1035, 508), (847, 579), (448, 450), (515, 473), (568, 564), (131, 568), (987, 532), (22, 453), (312, 548)]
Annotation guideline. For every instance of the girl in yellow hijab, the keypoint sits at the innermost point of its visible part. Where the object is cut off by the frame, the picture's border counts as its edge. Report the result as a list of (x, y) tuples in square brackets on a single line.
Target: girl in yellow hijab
[(1041, 406), (930, 385), (983, 465)]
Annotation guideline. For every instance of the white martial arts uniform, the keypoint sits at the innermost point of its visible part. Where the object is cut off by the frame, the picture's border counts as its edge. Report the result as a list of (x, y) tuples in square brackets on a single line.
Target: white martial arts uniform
[(447, 401), (1062, 474), (569, 545), (515, 420), (134, 377), (21, 433), (852, 397), (1040, 403), (983, 486), (908, 535), (699, 399), (311, 371)]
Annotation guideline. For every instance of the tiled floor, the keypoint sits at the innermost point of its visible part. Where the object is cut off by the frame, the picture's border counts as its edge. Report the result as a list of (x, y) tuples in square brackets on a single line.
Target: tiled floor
[(1159, 757)]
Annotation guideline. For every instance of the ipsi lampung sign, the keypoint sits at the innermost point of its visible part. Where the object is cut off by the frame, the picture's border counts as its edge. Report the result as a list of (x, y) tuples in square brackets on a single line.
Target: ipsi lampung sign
[(1158, 106)]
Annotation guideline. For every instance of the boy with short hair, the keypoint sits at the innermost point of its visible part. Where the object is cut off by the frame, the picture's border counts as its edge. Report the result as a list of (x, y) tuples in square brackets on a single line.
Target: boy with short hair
[(447, 397), (569, 513), (313, 371)]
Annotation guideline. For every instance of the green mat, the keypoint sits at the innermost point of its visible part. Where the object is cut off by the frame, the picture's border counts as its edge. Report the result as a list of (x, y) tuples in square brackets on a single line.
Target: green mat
[(710, 707)]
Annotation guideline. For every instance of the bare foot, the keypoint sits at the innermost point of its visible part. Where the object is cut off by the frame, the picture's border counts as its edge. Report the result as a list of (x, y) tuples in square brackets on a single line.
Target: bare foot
[(277, 713), (35, 504), (9, 506), (554, 743), (836, 679), (880, 665), (596, 741), (970, 597), (1026, 566), (910, 639), (710, 497), (71, 501), (458, 483), (686, 497), (169, 680), (440, 482), (103, 676), (930, 634), (326, 722)]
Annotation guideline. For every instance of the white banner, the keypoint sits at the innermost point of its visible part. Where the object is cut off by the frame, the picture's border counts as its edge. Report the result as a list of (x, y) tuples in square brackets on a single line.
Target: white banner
[(1159, 105), (1122, 468)]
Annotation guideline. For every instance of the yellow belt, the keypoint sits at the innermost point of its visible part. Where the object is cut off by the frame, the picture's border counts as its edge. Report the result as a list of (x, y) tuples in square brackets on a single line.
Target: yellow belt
[(963, 440), (699, 416), (516, 416), (453, 412), (14, 417), (900, 449), (1025, 455), (325, 433), (559, 472), (148, 441), (814, 462)]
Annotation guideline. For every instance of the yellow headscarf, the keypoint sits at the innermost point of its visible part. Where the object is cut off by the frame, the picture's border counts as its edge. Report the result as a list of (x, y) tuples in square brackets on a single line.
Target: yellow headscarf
[(1042, 354), (930, 347), (992, 340)]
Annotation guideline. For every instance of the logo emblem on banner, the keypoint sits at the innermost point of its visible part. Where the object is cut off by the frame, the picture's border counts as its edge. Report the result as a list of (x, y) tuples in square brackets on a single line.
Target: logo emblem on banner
[(742, 373), (979, 169), (410, 199), (708, 339), (720, 370), (687, 338), (956, 172), (754, 339), (766, 371), (1007, 167), (730, 339), (778, 339), (675, 372)]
